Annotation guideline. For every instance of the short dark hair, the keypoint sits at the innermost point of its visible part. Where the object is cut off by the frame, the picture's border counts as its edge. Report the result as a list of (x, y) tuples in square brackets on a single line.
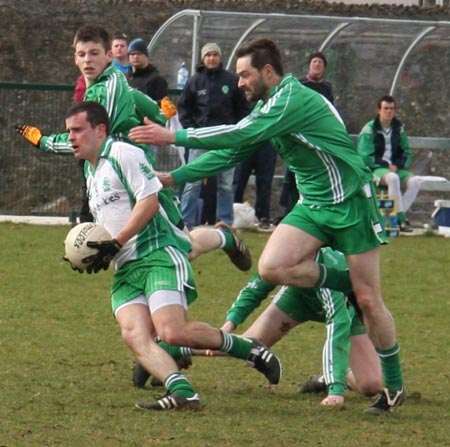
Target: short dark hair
[(262, 52), (119, 36), (95, 112), (93, 33), (385, 98), (318, 54)]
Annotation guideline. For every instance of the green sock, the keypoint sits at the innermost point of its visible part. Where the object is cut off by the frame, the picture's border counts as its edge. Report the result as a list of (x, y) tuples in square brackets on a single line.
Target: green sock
[(334, 279), (235, 346), (390, 364), (227, 239), (176, 352), (401, 217), (179, 383)]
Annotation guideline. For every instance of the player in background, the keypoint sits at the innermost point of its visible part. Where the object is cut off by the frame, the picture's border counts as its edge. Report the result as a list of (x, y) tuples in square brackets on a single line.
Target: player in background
[(338, 204), (153, 280)]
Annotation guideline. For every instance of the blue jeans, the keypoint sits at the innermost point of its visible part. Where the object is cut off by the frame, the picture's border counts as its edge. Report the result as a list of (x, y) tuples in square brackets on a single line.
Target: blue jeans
[(191, 194)]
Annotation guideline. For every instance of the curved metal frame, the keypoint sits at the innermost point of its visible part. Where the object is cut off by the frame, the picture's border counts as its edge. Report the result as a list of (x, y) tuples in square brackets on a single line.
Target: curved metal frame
[(406, 54)]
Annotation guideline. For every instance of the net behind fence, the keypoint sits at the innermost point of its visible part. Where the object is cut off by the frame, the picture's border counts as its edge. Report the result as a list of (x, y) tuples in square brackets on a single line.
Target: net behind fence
[(34, 182)]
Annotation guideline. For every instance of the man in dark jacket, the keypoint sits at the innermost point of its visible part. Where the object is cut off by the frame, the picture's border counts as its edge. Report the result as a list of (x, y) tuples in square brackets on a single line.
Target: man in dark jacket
[(383, 144), (143, 75), (211, 97)]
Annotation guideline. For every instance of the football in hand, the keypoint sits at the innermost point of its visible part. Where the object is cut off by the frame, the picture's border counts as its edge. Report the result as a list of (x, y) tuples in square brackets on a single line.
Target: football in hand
[(76, 248)]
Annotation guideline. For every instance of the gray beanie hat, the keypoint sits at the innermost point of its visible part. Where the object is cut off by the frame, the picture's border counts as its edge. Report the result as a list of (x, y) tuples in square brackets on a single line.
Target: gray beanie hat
[(210, 47), (137, 46)]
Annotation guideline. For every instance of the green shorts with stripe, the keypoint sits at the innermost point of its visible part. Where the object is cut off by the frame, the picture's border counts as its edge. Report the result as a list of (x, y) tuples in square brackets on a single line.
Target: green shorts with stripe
[(352, 227), (403, 174), (163, 269), (304, 305)]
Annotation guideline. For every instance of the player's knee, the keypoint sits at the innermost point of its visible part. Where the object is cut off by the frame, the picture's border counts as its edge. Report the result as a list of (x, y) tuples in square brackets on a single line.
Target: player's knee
[(134, 338), (173, 336)]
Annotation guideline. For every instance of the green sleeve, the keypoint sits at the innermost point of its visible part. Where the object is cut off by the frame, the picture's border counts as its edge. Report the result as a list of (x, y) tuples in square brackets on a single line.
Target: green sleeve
[(404, 143), (211, 163), (249, 298), (145, 106), (56, 144), (280, 115), (366, 147)]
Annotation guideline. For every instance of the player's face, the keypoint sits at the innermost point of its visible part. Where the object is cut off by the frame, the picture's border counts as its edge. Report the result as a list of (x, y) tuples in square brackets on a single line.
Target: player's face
[(119, 48), (251, 80), (86, 141), (316, 67), (91, 58), (386, 112), (212, 60)]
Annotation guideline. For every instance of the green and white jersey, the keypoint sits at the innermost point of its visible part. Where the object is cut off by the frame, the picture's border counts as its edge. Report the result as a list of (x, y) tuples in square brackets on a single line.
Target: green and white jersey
[(122, 177), (305, 129), (126, 108)]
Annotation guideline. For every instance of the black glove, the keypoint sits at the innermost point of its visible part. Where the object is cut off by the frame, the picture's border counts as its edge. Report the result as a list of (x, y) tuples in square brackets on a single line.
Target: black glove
[(101, 260), (75, 269), (30, 133)]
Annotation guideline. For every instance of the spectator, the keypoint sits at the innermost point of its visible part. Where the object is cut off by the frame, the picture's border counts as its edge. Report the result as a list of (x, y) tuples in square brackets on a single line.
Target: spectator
[(262, 163), (145, 76), (210, 97), (119, 48), (383, 144), (314, 78)]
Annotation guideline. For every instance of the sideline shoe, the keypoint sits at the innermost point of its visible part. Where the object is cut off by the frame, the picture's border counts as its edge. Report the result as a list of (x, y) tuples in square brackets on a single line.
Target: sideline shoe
[(265, 361), (239, 255), (172, 401), (264, 224), (405, 227), (387, 402), (315, 384)]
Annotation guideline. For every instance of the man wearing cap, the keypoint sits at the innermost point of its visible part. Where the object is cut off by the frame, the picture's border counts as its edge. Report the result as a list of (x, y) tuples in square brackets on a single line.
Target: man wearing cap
[(145, 76), (211, 97)]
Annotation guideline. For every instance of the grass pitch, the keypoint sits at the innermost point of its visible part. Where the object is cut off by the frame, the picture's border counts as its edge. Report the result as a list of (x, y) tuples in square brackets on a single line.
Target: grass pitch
[(66, 376)]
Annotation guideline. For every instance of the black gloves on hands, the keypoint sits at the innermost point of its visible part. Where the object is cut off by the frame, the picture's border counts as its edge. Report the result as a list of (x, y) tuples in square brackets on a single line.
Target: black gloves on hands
[(30, 133), (101, 260)]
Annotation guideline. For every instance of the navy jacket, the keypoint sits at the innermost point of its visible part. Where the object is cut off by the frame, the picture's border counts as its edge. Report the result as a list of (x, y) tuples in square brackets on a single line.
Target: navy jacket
[(210, 98)]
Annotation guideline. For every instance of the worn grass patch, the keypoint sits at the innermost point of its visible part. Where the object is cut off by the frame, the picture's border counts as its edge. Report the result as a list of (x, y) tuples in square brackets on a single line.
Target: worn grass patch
[(65, 374)]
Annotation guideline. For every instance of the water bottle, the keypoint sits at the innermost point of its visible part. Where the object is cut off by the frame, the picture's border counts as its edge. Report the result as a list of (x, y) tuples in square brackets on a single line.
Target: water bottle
[(393, 225), (182, 76)]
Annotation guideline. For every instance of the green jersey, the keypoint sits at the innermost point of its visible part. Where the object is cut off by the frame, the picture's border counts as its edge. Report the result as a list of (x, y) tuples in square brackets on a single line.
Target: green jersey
[(305, 129), (126, 108)]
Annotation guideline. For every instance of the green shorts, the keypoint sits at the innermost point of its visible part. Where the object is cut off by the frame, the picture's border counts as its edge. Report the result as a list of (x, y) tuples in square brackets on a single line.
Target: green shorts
[(352, 227), (164, 269), (403, 174), (304, 305)]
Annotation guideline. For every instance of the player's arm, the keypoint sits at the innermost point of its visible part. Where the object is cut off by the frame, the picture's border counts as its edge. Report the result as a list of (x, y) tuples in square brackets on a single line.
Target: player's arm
[(366, 149), (211, 163), (146, 107), (143, 211), (54, 143), (249, 298), (404, 143)]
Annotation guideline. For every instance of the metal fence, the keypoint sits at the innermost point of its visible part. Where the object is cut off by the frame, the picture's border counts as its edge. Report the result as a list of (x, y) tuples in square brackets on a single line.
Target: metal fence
[(33, 182)]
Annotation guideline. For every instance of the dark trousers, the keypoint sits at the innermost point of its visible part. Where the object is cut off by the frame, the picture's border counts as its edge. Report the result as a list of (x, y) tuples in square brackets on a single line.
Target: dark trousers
[(262, 164)]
